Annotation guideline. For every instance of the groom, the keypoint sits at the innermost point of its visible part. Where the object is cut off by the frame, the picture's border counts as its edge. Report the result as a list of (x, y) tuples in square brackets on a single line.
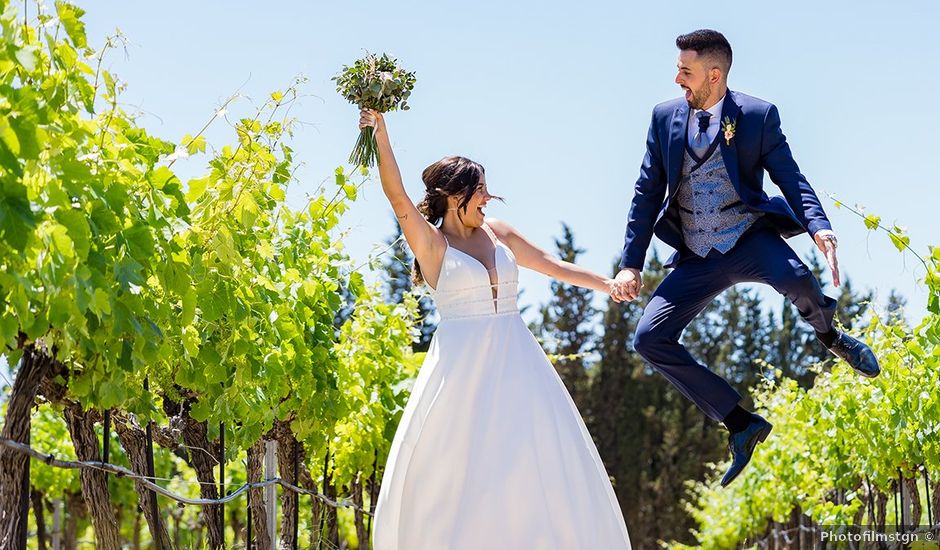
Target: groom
[(701, 192)]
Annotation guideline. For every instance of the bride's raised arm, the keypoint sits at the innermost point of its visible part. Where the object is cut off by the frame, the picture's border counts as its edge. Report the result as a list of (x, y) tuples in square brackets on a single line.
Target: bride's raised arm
[(425, 240), (535, 258)]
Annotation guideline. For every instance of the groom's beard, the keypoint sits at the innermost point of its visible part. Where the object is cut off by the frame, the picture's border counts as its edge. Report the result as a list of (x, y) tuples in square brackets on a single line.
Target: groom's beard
[(700, 96)]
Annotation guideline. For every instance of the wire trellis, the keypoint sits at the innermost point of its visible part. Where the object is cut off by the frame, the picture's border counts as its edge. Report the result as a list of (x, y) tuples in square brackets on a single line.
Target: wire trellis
[(148, 482)]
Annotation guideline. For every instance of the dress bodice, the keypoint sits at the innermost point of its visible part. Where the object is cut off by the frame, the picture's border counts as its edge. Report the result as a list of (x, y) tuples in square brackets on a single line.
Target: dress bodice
[(464, 288)]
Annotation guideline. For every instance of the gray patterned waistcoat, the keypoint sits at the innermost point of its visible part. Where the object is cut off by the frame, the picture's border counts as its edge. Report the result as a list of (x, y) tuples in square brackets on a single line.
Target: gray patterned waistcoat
[(710, 210)]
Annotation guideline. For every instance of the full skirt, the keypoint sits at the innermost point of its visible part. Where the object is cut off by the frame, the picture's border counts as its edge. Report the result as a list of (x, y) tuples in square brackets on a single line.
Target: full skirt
[(491, 452)]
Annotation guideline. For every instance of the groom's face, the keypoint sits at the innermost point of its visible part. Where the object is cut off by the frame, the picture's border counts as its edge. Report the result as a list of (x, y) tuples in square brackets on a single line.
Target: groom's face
[(694, 78)]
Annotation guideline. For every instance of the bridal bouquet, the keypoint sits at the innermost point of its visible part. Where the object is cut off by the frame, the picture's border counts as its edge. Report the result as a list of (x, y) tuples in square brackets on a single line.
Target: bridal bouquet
[(378, 83)]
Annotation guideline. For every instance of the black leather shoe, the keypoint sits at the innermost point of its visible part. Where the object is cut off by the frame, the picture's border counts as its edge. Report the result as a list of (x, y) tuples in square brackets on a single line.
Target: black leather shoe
[(858, 355), (742, 446)]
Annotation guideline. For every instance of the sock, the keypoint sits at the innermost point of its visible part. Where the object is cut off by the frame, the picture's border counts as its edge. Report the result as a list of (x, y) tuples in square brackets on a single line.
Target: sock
[(827, 338), (737, 419)]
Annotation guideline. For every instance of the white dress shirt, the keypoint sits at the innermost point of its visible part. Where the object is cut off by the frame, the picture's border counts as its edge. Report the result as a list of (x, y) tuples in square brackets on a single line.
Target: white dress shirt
[(714, 123)]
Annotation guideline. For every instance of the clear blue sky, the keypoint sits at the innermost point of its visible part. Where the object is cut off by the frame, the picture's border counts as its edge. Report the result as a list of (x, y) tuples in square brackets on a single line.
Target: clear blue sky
[(554, 99)]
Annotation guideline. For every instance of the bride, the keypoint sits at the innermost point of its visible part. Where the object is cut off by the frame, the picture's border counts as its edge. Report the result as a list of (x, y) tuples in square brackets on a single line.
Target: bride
[(491, 452)]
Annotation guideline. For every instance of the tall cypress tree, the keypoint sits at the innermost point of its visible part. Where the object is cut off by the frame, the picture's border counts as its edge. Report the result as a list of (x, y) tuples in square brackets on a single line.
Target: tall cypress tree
[(650, 437), (852, 305), (619, 394), (738, 336), (894, 309), (566, 327)]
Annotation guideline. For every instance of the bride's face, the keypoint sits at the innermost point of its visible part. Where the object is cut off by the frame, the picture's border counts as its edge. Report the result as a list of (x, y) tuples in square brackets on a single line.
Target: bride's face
[(475, 212)]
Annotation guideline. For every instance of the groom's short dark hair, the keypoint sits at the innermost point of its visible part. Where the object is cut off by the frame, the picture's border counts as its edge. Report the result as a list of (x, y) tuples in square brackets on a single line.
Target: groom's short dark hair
[(710, 44)]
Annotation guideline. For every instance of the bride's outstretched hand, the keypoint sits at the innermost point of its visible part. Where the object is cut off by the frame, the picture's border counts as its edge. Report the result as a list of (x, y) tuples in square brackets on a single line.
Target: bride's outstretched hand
[(371, 117)]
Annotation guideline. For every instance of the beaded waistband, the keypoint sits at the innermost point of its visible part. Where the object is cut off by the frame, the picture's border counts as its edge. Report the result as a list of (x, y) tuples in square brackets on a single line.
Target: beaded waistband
[(479, 315)]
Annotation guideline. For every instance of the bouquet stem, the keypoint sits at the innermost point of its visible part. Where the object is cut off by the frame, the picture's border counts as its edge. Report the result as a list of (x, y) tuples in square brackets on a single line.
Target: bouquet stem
[(366, 151)]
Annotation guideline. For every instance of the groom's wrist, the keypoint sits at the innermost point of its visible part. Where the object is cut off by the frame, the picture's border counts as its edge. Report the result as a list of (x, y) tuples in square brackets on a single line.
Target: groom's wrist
[(816, 226)]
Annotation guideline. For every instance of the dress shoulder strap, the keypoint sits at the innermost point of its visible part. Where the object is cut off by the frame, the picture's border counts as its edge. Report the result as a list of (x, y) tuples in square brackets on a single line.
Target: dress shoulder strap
[(489, 231)]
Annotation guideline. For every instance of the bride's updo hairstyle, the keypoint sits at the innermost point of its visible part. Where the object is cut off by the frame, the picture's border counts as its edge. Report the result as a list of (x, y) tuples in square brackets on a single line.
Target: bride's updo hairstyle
[(448, 177)]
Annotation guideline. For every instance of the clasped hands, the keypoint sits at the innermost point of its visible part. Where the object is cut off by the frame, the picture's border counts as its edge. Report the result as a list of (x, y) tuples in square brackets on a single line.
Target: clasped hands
[(625, 287)]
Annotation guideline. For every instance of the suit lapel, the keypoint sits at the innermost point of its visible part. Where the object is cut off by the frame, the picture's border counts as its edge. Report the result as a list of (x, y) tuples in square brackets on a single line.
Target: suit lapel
[(729, 152), (677, 138)]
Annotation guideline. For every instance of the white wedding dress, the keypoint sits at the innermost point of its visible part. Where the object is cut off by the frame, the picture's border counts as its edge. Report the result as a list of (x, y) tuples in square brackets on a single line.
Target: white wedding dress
[(491, 452)]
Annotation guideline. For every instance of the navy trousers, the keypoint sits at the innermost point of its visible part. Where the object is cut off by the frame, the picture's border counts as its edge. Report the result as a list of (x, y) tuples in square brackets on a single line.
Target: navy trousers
[(760, 256)]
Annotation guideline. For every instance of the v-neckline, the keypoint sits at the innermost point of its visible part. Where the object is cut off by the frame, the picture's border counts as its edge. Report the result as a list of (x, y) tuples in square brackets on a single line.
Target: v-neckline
[(494, 286), (475, 259)]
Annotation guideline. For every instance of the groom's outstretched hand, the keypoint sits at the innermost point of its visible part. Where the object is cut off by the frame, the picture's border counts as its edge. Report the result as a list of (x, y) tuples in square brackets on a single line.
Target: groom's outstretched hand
[(827, 243), (627, 285)]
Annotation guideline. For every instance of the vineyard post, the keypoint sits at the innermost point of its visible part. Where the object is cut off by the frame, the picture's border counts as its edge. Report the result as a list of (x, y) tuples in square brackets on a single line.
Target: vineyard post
[(106, 443), (151, 470), (248, 500), (905, 512), (222, 480), (897, 526), (57, 524), (372, 483), (270, 492), (24, 500), (927, 489), (296, 481), (324, 512)]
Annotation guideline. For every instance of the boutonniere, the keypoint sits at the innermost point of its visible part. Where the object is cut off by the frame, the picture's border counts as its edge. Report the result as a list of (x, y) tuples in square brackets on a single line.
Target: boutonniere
[(728, 127)]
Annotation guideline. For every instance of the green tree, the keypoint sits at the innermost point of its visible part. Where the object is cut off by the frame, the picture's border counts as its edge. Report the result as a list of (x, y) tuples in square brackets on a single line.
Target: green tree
[(566, 326), (651, 438), (731, 336), (894, 308)]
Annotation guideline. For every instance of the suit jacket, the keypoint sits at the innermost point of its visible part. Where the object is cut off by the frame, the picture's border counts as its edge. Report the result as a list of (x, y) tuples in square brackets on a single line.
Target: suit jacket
[(758, 145)]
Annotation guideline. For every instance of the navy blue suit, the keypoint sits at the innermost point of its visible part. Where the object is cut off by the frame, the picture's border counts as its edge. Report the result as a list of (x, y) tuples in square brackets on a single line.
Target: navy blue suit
[(761, 255)]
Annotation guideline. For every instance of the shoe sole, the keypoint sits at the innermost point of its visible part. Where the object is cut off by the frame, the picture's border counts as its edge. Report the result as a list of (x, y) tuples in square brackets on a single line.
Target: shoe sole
[(760, 439), (763, 435), (863, 373)]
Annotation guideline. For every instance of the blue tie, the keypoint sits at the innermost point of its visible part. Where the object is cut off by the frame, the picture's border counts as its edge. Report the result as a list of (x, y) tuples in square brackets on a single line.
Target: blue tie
[(700, 142)]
